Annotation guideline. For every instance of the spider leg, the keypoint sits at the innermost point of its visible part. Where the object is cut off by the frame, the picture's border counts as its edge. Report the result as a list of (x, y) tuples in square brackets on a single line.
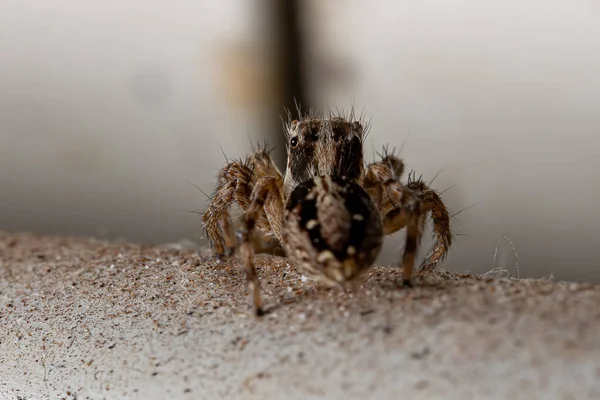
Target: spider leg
[(266, 197), (432, 202), (395, 217), (401, 208), (382, 182), (412, 206), (235, 183)]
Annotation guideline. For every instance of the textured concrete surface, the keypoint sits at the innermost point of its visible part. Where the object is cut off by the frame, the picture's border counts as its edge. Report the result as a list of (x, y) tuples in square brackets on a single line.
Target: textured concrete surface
[(86, 319)]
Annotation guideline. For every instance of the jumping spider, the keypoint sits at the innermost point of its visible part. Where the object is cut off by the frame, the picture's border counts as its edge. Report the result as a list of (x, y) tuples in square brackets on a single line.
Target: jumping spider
[(329, 211)]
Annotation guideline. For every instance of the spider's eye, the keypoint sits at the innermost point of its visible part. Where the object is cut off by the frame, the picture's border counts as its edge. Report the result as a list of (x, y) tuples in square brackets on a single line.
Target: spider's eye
[(294, 141)]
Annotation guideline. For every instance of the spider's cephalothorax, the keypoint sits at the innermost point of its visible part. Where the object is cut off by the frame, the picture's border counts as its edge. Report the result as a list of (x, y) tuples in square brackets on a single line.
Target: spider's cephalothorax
[(323, 147), (330, 211)]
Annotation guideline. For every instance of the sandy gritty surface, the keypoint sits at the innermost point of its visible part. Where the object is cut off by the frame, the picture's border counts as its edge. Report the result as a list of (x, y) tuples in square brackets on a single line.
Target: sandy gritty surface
[(85, 319)]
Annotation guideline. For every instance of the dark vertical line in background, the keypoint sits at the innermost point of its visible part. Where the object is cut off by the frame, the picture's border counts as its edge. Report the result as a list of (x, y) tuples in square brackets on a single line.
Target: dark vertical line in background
[(288, 54)]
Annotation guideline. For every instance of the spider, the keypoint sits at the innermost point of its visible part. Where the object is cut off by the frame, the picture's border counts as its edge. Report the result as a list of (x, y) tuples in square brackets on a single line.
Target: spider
[(330, 211)]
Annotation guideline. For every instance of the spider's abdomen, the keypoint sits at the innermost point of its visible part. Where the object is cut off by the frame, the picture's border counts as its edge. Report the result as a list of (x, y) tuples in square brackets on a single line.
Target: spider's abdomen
[(331, 229)]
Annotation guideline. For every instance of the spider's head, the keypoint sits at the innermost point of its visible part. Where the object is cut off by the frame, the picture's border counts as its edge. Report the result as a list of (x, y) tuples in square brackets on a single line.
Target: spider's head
[(319, 146)]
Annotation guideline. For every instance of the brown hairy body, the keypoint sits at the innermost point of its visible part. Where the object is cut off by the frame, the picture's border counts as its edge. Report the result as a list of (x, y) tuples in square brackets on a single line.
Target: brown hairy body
[(329, 211)]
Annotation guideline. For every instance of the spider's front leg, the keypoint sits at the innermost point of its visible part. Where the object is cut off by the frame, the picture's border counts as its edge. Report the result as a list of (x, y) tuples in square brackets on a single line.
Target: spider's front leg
[(266, 198), (235, 183)]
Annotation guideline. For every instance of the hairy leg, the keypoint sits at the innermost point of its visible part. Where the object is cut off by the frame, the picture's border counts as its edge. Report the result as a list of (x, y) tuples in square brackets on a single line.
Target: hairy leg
[(266, 198), (235, 183), (432, 202), (407, 207), (414, 232), (381, 182)]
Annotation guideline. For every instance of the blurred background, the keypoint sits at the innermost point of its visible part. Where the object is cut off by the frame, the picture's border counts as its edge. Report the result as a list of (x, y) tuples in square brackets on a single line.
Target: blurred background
[(107, 108)]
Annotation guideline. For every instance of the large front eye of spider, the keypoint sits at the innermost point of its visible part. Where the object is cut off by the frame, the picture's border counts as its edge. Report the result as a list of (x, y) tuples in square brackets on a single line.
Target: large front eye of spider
[(294, 141)]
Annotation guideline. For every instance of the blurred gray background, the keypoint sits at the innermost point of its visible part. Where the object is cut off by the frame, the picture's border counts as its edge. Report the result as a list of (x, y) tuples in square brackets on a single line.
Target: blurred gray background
[(107, 108)]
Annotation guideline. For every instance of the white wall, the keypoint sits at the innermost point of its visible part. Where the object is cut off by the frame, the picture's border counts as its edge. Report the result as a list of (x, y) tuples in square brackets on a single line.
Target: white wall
[(106, 108)]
